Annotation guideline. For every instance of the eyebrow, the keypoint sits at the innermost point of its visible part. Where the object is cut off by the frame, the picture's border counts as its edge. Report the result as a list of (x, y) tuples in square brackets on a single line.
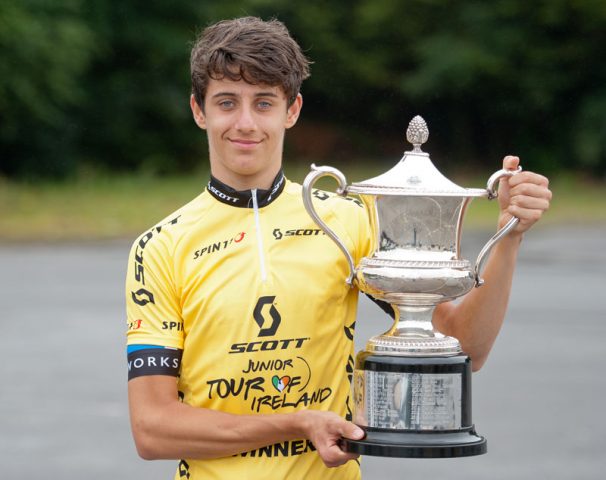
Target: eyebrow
[(232, 94)]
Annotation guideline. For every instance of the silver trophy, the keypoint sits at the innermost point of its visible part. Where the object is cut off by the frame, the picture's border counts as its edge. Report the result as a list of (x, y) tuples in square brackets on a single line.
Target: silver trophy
[(412, 384)]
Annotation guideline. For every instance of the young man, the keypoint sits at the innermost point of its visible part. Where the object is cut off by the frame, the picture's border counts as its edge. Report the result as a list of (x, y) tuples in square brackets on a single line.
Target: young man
[(240, 341)]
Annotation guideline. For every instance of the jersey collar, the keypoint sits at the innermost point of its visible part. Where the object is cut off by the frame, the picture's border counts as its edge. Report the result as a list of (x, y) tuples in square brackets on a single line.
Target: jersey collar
[(243, 198)]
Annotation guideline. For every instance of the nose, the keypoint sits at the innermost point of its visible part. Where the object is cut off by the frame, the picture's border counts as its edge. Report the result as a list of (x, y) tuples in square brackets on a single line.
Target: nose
[(245, 121)]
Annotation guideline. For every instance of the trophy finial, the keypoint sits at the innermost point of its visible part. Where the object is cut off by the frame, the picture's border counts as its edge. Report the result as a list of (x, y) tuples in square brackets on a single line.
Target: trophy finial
[(417, 133)]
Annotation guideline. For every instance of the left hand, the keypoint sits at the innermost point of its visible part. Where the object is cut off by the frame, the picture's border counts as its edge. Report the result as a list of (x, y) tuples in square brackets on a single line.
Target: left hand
[(525, 195)]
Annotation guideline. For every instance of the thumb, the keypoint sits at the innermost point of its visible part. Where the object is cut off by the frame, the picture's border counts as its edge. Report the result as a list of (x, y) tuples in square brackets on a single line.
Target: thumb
[(352, 431), (510, 162)]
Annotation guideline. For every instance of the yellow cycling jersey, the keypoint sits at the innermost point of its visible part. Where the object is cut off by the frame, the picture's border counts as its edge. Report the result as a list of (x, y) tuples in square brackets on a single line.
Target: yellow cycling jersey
[(243, 298)]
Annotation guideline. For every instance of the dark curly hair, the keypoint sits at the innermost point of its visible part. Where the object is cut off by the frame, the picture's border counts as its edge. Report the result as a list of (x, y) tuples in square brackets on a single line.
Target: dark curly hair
[(249, 49)]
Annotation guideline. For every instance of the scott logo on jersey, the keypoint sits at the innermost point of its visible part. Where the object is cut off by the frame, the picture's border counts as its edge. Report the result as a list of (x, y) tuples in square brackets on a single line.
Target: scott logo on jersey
[(143, 296), (296, 232), (259, 316), (268, 318)]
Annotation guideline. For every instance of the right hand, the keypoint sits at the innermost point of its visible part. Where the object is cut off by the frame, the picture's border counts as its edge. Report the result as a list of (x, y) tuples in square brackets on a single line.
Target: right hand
[(325, 430)]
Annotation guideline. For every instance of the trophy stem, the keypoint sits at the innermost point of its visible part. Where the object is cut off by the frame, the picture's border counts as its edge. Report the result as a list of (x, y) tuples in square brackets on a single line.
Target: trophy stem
[(412, 334), (414, 321)]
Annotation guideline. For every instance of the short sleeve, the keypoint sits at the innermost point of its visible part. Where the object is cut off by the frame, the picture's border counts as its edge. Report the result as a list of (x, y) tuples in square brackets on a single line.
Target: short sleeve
[(152, 305)]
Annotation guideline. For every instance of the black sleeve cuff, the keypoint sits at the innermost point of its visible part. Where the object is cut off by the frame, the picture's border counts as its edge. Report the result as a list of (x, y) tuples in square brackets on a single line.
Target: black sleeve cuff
[(154, 361)]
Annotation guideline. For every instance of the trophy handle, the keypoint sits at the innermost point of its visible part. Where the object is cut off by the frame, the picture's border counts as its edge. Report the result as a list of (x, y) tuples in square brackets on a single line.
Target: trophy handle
[(311, 178), (492, 189)]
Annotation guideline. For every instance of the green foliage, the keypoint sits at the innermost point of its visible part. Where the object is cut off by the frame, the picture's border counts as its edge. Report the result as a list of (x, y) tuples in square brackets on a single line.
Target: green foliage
[(107, 83), (490, 77), (137, 113), (45, 49)]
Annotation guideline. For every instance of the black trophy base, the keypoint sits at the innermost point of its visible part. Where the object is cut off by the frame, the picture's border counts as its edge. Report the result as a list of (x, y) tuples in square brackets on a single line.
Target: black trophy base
[(389, 443)]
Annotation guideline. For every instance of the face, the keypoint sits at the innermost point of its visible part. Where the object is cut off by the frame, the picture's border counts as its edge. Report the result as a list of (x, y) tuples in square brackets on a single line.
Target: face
[(245, 125)]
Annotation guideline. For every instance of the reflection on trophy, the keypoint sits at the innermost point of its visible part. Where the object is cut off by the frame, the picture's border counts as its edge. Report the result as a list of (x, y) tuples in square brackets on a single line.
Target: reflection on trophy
[(412, 384)]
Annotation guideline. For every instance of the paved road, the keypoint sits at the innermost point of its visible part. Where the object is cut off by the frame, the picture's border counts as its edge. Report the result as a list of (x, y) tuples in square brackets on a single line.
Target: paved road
[(539, 400)]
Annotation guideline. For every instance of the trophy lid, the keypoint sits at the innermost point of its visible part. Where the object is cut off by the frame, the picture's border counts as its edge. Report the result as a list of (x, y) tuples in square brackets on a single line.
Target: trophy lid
[(414, 174)]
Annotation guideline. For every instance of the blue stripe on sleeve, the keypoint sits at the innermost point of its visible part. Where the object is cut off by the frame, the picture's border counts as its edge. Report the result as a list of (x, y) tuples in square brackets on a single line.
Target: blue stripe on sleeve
[(136, 348)]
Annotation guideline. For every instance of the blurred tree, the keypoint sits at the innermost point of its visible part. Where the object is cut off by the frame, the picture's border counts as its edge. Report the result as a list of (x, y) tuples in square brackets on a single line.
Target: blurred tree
[(490, 77), (108, 82), (514, 76), (45, 48), (136, 111)]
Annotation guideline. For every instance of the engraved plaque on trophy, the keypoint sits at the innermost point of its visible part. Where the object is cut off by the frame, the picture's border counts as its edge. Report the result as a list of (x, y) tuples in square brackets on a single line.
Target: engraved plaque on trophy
[(412, 384)]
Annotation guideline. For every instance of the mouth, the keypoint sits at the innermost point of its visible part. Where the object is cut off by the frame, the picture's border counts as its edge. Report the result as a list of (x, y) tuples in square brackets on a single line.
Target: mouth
[(244, 143)]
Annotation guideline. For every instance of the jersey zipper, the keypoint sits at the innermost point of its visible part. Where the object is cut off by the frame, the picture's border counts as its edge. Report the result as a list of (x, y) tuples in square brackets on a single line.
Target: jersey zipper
[(259, 235)]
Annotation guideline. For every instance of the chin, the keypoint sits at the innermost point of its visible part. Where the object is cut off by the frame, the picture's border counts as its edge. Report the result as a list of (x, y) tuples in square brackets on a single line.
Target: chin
[(250, 167), (247, 170)]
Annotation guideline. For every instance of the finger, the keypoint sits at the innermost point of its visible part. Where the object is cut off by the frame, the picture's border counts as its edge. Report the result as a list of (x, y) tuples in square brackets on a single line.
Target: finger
[(347, 456), (530, 190), (528, 177), (351, 431), (531, 203), (338, 451), (334, 456), (527, 216)]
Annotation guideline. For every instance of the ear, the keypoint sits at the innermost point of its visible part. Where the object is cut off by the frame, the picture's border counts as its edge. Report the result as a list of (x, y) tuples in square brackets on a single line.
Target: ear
[(293, 111), (197, 112)]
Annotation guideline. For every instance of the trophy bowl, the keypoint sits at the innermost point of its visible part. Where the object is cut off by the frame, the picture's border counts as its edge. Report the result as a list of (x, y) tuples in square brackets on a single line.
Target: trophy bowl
[(412, 384)]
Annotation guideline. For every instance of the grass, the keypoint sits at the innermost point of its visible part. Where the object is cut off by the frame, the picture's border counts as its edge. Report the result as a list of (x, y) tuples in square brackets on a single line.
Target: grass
[(98, 207)]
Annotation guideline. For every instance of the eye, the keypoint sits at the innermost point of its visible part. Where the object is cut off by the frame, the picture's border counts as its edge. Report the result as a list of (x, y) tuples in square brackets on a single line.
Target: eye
[(264, 105), (226, 104)]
